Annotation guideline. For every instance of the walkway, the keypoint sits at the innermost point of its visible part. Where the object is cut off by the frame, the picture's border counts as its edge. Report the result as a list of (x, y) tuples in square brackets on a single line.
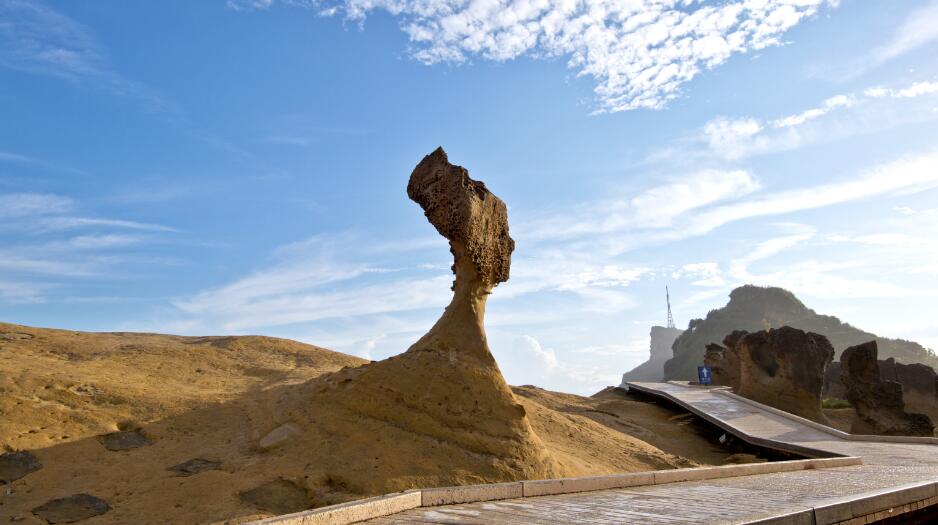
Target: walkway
[(745, 499)]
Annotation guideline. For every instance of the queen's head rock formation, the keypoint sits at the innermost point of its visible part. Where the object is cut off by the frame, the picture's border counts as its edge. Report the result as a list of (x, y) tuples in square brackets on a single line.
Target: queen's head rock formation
[(781, 367), (878, 403), (443, 405)]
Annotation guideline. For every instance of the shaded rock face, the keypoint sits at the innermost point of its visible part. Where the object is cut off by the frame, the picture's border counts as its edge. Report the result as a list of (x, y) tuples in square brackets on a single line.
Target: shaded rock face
[(660, 351), (194, 466), (919, 384), (783, 368), (279, 496), (878, 404), (72, 508), (446, 391), (754, 308), (125, 440), (15, 465)]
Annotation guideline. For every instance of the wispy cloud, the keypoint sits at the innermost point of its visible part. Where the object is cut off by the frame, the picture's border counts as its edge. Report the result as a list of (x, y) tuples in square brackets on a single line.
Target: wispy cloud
[(640, 54), (870, 110), (37, 39), (920, 28), (14, 205)]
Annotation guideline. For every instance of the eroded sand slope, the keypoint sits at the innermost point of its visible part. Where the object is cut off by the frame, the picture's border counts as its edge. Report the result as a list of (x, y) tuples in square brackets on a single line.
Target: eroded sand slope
[(218, 398)]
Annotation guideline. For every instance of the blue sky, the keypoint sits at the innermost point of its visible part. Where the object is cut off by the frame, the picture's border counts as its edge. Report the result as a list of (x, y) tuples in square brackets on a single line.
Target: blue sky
[(240, 167)]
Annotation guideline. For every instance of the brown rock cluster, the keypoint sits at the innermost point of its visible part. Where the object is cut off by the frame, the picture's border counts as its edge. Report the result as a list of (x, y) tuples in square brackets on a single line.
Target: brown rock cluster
[(878, 403), (782, 367)]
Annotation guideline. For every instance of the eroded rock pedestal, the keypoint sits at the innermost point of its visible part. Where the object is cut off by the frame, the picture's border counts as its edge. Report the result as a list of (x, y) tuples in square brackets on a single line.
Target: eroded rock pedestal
[(443, 405), (783, 368), (879, 406)]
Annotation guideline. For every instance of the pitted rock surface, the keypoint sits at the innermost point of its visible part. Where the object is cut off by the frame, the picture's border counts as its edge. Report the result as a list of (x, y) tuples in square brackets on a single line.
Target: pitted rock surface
[(72, 508), (15, 465), (878, 404), (783, 368), (465, 212)]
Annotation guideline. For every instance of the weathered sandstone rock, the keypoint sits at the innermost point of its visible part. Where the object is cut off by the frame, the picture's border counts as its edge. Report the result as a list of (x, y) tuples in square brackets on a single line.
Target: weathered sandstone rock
[(445, 392), (782, 367), (879, 405)]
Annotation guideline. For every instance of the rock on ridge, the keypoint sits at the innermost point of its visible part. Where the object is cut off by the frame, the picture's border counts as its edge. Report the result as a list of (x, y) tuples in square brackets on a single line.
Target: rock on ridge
[(878, 403), (783, 368)]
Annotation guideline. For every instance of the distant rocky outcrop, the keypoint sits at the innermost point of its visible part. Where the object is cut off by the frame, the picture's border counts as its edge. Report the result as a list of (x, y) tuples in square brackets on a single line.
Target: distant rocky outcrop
[(878, 403), (754, 308), (783, 368), (660, 351), (918, 380)]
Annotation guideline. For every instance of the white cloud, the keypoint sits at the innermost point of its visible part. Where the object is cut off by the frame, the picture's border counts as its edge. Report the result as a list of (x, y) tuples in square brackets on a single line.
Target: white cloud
[(911, 174), (839, 101), (705, 274), (917, 89), (15, 205), (639, 53), (874, 108), (37, 39), (655, 208), (920, 28)]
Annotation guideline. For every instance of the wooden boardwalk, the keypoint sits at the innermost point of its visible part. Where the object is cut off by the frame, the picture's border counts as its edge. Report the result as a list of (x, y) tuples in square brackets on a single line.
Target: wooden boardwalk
[(743, 499)]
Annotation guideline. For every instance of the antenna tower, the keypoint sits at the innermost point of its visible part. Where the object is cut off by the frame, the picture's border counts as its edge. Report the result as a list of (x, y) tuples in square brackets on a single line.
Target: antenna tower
[(667, 296)]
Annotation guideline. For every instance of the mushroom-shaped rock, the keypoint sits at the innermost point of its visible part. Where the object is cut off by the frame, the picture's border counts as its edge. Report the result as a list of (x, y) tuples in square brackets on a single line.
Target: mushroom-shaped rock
[(879, 405), (445, 395), (783, 368)]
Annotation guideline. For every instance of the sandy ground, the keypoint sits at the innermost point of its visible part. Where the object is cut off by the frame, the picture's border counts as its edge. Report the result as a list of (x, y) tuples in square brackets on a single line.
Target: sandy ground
[(253, 410)]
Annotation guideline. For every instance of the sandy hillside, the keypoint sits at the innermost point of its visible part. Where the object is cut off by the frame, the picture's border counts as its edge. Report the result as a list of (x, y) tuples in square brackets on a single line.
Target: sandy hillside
[(219, 398)]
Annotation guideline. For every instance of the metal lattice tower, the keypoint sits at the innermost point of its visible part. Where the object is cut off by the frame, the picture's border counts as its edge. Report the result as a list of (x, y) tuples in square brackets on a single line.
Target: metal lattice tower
[(667, 296)]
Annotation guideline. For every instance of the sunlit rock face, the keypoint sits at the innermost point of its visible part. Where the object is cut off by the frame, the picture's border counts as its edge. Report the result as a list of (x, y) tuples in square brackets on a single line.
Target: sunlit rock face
[(783, 368), (879, 405)]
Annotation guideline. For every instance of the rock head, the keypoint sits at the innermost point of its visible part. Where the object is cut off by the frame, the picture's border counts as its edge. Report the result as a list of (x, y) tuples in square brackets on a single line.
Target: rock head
[(878, 403), (465, 212), (782, 367)]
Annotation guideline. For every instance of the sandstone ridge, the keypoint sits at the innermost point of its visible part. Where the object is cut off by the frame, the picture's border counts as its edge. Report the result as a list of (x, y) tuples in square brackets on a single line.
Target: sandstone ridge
[(781, 367)]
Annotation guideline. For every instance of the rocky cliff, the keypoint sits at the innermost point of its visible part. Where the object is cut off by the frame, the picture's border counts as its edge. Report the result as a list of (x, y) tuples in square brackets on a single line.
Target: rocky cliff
[(754, 308), (659, 352)]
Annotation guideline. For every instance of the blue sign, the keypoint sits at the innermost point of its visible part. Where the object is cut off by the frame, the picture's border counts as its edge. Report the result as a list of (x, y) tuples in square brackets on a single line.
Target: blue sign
[(704, 375)]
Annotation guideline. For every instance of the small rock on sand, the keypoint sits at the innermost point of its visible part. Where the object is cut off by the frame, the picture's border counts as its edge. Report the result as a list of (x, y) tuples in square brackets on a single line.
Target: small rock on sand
[(278, 436), (72, 508), (194, 466), (125, 440), (15, 465)]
